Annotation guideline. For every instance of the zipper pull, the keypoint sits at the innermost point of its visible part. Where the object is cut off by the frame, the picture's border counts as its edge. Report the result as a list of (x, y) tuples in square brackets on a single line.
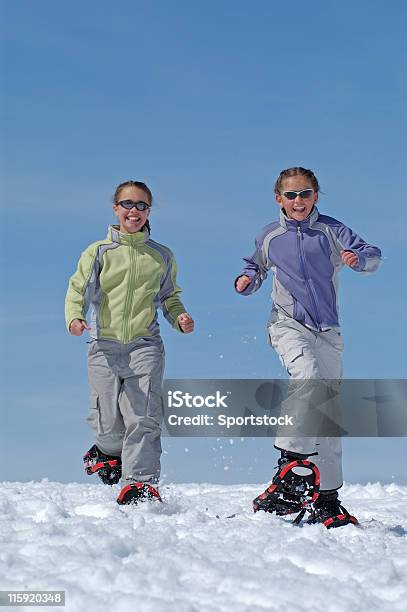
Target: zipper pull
[(298, 230)]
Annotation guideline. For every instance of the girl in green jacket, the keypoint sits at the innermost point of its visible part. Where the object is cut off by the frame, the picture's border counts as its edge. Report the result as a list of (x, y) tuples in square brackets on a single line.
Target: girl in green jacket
[(125, 278)]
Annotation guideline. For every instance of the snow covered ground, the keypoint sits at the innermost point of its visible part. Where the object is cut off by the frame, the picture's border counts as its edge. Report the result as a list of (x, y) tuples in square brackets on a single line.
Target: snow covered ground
[(179, 557)]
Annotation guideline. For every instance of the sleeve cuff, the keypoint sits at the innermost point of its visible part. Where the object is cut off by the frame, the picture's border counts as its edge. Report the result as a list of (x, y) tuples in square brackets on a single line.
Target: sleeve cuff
[(361, 265)]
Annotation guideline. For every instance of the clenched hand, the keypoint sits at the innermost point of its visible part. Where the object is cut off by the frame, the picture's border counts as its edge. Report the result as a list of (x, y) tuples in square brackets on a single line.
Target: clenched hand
[(78, 326), (242, 283), (186, 323), (349, 258)]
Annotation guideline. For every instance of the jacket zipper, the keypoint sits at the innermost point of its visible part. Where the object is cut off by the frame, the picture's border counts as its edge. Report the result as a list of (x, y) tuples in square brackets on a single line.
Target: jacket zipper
[(130, 291), (304, 269)]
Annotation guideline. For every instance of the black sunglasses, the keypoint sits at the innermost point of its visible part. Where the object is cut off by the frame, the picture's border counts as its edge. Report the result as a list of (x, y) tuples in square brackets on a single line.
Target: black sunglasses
[(304, 194), (129, 204)]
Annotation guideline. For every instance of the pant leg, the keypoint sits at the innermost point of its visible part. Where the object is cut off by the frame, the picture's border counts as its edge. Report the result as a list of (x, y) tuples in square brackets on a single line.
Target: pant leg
[(329, 462), (329, 458), (296, 347), (104, 416), (309, 356), (140, 401)]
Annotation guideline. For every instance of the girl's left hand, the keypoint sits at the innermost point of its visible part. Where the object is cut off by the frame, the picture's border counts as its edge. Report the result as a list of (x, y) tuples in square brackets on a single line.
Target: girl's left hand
[(349, 258), (186, 323)]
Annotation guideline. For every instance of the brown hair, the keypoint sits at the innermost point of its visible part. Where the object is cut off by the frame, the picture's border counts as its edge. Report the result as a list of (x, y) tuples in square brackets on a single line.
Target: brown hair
[(297, 170), (141, 186)]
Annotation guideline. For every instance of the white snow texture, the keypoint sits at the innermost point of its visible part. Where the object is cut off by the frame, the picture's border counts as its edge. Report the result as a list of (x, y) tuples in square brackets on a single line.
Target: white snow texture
[(178, 557)]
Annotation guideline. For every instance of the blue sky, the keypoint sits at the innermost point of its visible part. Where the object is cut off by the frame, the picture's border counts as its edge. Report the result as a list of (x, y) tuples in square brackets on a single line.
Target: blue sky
[(206, 102)]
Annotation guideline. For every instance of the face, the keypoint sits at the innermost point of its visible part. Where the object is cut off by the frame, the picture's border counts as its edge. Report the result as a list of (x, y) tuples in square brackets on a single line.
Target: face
[(131, 221), (300, 208)]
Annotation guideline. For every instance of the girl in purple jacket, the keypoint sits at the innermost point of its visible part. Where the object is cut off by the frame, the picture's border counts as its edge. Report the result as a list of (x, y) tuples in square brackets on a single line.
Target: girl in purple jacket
[(306, 250)]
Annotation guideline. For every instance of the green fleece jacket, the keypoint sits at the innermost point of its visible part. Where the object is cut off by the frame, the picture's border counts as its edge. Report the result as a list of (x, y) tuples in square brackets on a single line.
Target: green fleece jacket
[(124, 278)]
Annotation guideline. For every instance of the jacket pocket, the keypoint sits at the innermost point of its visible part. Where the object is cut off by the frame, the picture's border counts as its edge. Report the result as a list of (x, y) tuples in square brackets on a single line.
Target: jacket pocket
[(102, 312)]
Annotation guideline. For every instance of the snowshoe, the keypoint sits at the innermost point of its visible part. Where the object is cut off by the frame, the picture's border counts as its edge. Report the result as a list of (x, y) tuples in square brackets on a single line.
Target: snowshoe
[(107, 467), (138, 492), (329, 511), (294, 486)]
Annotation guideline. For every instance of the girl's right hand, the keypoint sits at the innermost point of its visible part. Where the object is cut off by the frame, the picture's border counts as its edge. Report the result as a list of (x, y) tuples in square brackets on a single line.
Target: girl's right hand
[(78, 326), (242, 283)]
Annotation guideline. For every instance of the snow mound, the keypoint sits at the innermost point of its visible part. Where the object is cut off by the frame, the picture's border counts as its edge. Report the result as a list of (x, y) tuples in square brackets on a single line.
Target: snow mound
[(179, 557)]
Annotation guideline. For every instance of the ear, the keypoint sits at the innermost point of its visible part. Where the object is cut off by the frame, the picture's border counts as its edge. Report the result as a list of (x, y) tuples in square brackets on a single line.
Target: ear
[(279, 200), (316, 197)]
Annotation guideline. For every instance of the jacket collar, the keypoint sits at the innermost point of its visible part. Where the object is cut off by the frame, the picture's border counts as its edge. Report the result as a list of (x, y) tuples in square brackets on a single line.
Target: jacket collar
[(293, 224), (115, 235)]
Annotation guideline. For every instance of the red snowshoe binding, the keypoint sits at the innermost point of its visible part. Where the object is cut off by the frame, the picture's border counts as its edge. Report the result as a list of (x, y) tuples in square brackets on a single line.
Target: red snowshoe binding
[(329, 511), (293, 488), (107, 467), (138, 492)]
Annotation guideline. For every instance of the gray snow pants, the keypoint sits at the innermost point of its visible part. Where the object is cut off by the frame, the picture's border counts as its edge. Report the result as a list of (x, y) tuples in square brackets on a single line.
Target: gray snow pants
[(126, 409), (310, 355)]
